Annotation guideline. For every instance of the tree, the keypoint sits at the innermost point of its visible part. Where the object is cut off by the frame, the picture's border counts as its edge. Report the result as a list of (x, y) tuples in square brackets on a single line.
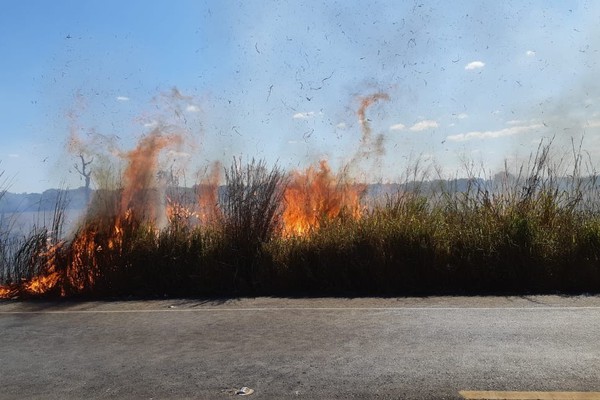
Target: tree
[(86, 173)]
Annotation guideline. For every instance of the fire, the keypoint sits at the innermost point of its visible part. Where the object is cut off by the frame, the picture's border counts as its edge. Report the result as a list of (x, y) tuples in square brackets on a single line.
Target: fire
[(203, 209), (317, 195), (43, 283), (311, 199), (139, 202), (84, 264), (49, 277), (7, 292), (140, 188), (208, 195), (181, 215)]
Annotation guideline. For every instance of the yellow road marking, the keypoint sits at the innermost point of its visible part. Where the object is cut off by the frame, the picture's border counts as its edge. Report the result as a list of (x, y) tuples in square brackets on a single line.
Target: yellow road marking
[(495, 395)]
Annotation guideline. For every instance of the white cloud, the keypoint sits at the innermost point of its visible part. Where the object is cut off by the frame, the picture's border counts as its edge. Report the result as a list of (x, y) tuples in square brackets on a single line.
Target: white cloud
[(397, 127), (304, 115), (462, 116), (192, 108), (513, 130), (424, 125), (530, 53), (341, 125), (474, 65), (13, 155), (151, 124), (122, 98), (515, 122)]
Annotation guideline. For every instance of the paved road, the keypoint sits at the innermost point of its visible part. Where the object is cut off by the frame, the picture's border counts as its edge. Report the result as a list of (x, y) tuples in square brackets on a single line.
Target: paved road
[(426, 348)]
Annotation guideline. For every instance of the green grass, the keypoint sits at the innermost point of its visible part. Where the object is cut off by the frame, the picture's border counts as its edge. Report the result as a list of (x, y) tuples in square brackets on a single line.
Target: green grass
[(535, 231)]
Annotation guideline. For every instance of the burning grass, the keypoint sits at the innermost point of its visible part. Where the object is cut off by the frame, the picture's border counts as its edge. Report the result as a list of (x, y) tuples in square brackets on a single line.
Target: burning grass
[(316, 196), (312, 232)]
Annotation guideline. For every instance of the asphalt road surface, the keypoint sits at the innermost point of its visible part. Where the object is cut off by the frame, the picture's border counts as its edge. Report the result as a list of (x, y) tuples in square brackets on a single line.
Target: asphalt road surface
[(409, 348)]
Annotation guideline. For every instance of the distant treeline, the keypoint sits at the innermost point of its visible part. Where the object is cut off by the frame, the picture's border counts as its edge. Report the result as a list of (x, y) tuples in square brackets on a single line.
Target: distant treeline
[(46, 201), (77, 199)]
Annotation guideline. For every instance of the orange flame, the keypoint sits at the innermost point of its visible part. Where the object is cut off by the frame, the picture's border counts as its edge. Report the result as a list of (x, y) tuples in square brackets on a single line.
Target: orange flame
[(84, 264), (315, 196), (179, 214), (139, 202), (43, 283), (49, 277), (208, 195), (140, 187), (312, 198), (7, 292)]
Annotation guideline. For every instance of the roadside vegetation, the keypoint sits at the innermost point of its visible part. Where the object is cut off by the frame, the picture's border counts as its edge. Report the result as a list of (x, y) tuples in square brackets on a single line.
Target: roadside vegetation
[(533, 230)]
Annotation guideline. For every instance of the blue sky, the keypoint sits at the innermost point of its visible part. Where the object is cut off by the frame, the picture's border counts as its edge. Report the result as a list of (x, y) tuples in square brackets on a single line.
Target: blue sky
[(472, 81)]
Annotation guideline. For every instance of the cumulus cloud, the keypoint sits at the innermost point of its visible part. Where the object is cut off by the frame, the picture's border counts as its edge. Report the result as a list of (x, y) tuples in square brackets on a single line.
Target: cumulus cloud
[(530, 53), (474, 65), (341, 125), (122, 98), (304, 115), (192, 108), (397, 127), (513, 130), (424, 125)]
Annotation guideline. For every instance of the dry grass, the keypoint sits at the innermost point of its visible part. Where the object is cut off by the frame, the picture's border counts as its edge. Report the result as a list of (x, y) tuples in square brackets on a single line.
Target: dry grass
[(534, 231)]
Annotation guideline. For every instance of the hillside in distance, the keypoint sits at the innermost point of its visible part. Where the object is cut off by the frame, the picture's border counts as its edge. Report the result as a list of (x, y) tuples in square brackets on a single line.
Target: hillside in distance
[(77, 199)]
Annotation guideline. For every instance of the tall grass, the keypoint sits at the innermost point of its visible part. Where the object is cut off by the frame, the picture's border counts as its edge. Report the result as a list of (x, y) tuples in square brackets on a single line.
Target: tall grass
[(251, 210), (533, 230), (25, 256)]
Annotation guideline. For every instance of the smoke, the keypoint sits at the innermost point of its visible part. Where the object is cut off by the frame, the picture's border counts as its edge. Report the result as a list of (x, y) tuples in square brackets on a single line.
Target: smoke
[(370, 147), (365, 103), (141, 191), (138, 177)]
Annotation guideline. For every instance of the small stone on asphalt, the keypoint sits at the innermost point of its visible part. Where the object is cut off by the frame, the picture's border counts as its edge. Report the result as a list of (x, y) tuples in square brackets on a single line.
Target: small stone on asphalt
[(245, 391)]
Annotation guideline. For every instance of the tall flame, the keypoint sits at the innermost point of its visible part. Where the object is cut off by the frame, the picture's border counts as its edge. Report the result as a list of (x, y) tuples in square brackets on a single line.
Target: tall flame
[(311, 199), (208, 195), (317, 195), (140, 191), (139, 202)]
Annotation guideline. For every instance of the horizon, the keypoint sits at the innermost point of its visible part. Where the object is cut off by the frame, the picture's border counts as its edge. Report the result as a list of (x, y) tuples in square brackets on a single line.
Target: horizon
[(457, 179)]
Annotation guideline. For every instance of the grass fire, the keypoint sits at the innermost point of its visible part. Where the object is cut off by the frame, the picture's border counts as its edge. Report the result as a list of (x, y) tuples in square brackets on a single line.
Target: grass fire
[(254, 229)]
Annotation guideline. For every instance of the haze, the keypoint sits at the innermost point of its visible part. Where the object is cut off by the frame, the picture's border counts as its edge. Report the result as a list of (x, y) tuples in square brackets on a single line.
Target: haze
[(284, 81)]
